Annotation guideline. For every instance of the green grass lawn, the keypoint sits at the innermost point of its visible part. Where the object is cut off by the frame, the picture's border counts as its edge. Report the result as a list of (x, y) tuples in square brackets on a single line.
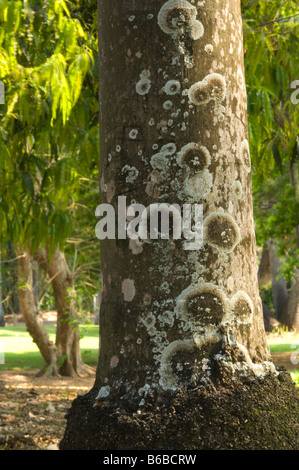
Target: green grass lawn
[(21, 353)]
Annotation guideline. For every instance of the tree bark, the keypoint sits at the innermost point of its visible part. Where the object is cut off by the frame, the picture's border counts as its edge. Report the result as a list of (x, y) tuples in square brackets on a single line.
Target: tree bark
[(67, 331), (264, 272), (290, 316), (2, 320), (179, 328), (279, 285), (31, 316)]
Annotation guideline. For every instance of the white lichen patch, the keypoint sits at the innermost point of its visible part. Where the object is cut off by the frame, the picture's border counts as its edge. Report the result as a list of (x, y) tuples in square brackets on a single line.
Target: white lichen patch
[(237, 189), (221, 231), (193, 302), (131, 172), (195, 156), (178, 18), (168, 149), (212, 87), (167, 105), (128, 290), (144, 84), (172, 87), (168, 379), (149, 321), (199, 185), (160, 161), (209, 48), (133, 134), (242, 308), (104, 392), (245, 155), (167, 317)]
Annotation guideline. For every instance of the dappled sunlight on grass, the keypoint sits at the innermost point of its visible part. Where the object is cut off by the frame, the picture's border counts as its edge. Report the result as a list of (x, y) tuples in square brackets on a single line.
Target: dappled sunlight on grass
[(20, 352)]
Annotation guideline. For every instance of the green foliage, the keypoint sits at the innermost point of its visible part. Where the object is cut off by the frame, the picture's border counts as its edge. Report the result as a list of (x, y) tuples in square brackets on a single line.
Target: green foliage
[(271, 45), (48, 133), (49, 143)]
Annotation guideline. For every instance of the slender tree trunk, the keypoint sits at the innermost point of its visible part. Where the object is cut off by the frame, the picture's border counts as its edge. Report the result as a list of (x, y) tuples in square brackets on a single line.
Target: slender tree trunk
[(290, 316), (67, 335), (279, 285), (2, 320), (67, 331), (264, 274), (181, 330), (31, 316)]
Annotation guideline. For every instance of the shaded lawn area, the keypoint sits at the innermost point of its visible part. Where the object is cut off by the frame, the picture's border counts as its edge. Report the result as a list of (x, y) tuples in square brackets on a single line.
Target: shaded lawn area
[(20, 352)]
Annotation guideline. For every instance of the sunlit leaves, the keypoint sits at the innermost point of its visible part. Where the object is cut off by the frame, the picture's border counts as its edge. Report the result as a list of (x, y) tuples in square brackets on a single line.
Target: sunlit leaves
[(47, 131), (271, 62)]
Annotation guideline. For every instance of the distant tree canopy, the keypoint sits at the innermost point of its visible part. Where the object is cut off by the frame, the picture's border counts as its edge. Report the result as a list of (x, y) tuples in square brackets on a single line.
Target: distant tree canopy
[(271, 45)]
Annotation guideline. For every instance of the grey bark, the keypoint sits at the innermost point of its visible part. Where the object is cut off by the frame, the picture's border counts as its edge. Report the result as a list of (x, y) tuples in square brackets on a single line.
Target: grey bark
[(175, 325), (290, 316), (67, 330), (279, 285), (31, 316), (264, 271), (2, 320), (178, 99)]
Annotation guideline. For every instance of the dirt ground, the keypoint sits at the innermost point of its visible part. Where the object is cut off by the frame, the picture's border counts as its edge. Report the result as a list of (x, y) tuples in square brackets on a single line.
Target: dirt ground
[(32, 409)]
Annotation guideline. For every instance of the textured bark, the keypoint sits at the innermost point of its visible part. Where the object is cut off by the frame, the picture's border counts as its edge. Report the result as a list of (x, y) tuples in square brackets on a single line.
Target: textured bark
[(173, 129), (31, 316)]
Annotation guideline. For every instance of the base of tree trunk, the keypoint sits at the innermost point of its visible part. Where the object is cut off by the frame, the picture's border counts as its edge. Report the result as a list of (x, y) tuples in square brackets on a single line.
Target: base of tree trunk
[(255, 414)]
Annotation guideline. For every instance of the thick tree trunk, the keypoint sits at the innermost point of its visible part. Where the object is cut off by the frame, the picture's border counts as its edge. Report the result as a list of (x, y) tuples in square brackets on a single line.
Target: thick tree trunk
[(31, 316), (181, 330)]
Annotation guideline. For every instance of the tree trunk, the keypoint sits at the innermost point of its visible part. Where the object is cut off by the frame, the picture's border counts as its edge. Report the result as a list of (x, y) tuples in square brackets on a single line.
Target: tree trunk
[(67, 331), (290, 316), (264, 274), (184, 362), (2, 320), (279, 285), (31, 316)]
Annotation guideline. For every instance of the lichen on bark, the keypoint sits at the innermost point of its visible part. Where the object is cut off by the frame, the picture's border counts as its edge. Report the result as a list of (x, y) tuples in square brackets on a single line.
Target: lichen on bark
[(194, 323)]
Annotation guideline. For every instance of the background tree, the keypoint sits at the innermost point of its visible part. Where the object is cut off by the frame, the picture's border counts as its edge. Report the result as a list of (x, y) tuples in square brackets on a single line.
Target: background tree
[(183, 357), (271, 41), (48, 133)]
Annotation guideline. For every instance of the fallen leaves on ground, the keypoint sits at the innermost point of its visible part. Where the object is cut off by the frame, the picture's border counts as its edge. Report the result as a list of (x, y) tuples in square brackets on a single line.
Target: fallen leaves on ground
[(32, 409)]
